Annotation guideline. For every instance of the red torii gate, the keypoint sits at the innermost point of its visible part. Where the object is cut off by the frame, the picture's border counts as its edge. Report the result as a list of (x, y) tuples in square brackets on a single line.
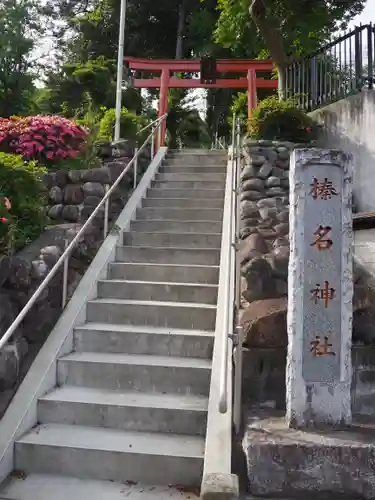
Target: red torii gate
[(166, 67)]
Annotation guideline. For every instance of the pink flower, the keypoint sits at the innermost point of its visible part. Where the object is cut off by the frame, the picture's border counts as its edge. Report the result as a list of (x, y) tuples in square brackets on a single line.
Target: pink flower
[(3, 220), (39, 137)]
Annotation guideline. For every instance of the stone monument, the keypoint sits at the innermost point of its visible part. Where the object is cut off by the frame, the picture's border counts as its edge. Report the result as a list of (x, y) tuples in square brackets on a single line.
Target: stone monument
[(313, 452), (318, 373)]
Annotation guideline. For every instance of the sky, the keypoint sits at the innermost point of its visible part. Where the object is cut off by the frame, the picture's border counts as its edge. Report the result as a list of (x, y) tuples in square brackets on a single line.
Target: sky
[(367, 16)]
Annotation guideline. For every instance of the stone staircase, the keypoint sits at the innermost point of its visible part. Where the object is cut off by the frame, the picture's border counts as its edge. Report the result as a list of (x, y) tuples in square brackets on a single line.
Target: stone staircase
[(129, 415)]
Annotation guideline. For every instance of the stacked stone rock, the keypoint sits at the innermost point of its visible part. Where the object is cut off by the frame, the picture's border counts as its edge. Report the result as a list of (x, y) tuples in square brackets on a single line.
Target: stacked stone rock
[(74, 194), (264, 247)]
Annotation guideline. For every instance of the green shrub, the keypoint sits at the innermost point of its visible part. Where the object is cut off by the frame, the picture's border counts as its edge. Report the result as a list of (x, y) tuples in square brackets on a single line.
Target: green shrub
[(130, 125), (281, 120), (21, 183)]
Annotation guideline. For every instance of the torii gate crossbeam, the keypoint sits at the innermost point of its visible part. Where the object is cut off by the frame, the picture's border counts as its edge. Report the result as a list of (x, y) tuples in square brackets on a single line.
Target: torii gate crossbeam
[(166, 67)]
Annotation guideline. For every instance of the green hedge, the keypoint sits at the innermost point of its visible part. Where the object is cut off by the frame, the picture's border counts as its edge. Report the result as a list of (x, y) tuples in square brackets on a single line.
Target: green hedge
[(22, 184), (130, 125), (282, 120)]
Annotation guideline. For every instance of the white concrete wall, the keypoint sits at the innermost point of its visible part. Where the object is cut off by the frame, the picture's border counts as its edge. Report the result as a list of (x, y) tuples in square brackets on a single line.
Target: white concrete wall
[(350, 126)]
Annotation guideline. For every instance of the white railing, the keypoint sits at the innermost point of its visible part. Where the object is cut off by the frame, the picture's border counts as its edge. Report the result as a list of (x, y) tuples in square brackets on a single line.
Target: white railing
[(63, 261), (154, 125), (231, 309), (219, 143)]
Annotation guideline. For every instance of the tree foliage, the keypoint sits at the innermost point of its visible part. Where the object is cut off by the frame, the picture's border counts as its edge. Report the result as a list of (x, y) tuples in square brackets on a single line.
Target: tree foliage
[(19, 27), (285, 28), (304, 24)]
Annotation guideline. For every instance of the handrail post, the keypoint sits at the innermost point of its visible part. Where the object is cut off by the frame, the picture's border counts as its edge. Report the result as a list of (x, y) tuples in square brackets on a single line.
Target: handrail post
[(65, 276), (237, 399), (106, 212), (152, 143), (135, 169), (159, 136), (370, 54)]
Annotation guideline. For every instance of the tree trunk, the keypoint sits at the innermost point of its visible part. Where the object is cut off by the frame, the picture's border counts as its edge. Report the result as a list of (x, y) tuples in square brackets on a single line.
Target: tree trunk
[(260, 11), (180, 29)]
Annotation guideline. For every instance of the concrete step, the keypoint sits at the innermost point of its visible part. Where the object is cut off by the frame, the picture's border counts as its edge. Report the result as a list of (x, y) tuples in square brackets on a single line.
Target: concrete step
[(195, 151), (181, 177), (168, 255), (166, 314), (173, 192), (197, 184), (183, 203), (157, 272), (111, 454), (198, 169), (168, 292), (128, 411), (215, 214), (177, 226), (135, 372), (54, 487), (176, 240), (104, 337), (196, 159)]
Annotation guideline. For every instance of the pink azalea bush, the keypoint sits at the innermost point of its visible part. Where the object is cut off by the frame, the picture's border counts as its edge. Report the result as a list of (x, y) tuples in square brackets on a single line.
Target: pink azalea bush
[(47, 139)]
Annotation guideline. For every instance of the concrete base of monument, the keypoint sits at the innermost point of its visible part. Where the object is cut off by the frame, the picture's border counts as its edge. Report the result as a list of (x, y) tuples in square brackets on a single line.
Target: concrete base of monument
[(318, 464)]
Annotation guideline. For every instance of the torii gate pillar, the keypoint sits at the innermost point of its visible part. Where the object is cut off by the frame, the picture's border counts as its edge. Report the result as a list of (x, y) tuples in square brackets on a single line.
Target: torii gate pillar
[(163, 101), (252, 99)]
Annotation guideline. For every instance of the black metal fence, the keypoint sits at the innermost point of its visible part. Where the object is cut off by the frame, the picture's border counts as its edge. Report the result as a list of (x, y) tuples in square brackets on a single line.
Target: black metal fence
[(341, 68)]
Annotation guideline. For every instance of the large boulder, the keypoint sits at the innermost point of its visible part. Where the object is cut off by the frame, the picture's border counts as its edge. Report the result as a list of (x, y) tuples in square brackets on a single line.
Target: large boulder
[(251, 246), (100, 175), (56, 195), (73, 194), (260, 282), (264, 323), (93, 189)]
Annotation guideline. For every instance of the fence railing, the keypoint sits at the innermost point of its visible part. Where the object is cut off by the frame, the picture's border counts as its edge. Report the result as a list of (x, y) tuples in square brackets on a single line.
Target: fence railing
[(63, 261), (341, 68)]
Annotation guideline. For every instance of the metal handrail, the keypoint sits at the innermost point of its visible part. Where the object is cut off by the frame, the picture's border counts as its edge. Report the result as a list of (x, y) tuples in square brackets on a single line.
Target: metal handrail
[(227, 317), (161, 118), (239, 331), (64, 257)]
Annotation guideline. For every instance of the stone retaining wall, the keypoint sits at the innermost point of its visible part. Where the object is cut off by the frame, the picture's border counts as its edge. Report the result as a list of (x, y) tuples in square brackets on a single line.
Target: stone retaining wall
[(264, 247), (74, 194)]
